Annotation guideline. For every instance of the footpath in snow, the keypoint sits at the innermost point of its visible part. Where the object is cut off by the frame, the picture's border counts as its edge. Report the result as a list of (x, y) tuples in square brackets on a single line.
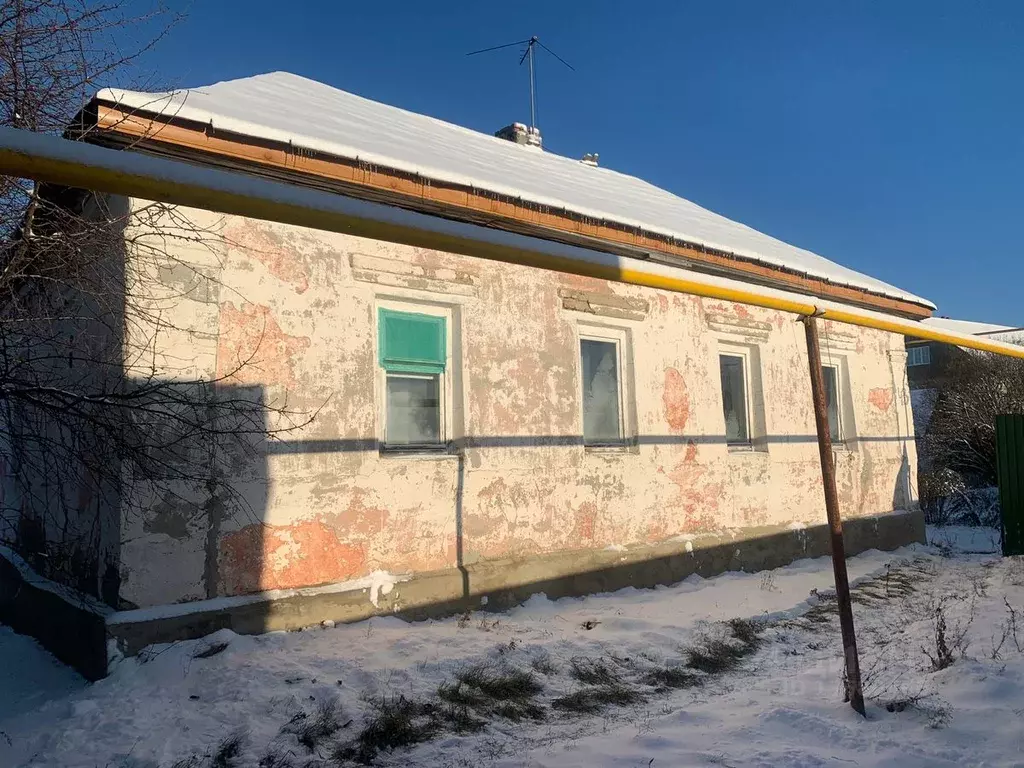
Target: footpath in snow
[(737, 670)]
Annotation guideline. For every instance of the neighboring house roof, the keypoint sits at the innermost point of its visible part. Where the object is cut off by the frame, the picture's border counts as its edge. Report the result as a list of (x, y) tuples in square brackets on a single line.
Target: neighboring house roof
[(966, 326), (1004, 333), (283, 107)]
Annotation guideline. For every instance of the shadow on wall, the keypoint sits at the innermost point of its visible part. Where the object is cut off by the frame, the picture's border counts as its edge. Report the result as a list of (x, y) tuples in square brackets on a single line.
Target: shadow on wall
[(148, 476), (230, 494)]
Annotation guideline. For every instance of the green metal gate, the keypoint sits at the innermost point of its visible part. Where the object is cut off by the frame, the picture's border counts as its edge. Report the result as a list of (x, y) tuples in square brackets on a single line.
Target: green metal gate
[(1010, 455)]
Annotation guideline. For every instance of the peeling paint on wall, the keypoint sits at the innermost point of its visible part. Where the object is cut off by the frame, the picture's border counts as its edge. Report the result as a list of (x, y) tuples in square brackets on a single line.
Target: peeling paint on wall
[(881, 398), (261, 557), (252, 348), (676, 400), (328, 506), (268, 246)]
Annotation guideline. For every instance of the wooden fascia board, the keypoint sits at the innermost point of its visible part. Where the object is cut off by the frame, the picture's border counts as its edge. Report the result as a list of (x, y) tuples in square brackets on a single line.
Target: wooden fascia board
[(457, 202)]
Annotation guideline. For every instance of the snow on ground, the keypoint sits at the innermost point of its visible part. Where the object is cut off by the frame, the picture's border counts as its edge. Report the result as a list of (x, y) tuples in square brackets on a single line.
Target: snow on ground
[(29, 676), (779, 706), (965, 538)]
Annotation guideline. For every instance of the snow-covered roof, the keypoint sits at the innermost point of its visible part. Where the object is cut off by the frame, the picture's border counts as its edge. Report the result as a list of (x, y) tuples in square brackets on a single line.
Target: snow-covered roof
[(280, 106), (965, 326), (1012, 336)]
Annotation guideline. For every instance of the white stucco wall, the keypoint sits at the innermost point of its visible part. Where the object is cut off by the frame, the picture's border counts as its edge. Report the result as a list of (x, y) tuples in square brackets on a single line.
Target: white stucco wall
[(325, 505)]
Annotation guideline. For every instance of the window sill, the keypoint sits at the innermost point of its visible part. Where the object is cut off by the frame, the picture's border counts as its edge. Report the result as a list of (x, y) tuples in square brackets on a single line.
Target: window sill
[(612, 449), (747, 449), (421, 452)]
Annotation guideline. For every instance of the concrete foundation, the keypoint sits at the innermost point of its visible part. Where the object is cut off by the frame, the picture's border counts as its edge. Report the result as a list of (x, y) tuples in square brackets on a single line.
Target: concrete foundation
[(500, 584)]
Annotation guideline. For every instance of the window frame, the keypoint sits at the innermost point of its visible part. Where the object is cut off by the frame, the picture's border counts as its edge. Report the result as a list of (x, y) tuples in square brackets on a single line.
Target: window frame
[(445, 379), (744, 355), (923, 350), (837, 398), (620, 338), (441, 413)]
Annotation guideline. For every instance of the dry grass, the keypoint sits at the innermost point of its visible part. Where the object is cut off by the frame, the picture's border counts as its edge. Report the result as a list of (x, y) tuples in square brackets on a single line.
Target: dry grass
[(396, 723), (493, 691), (211, 650), (588, 701), (667, 678), (312, 730), (593, 671)]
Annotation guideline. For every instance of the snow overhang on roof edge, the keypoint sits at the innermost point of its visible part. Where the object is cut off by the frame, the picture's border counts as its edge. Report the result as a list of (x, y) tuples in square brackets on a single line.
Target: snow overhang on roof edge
[(410, 143)]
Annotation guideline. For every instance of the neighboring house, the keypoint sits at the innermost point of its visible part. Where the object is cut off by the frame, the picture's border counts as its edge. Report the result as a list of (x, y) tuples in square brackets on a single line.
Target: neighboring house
[(927, 360), (486, 429)]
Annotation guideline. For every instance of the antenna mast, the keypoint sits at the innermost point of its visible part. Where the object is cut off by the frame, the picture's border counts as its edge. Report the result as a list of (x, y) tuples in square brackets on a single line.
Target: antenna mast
[(533, 87), (528, 55)]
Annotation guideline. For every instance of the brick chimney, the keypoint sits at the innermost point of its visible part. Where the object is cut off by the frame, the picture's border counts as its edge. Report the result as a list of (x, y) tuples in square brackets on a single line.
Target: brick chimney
[(521, 134)]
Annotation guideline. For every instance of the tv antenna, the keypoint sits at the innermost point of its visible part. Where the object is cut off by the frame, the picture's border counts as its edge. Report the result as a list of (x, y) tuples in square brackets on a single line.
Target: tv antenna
[(527, 55)]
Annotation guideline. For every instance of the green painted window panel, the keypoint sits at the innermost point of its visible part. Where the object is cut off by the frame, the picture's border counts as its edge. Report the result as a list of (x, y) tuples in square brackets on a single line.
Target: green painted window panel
[(410, 342)]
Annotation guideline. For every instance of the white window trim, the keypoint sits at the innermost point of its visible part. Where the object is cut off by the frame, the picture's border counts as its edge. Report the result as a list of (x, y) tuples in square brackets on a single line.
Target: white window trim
[(621, 338), (726, 350), (445, 383)]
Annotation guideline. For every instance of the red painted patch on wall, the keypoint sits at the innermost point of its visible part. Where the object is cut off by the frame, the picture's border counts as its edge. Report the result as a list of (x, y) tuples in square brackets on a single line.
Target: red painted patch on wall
[(583, 530), (881, 398), (266, 246), (676, 400), (252, 348), (260, 557), (691, 452), (742, 311)]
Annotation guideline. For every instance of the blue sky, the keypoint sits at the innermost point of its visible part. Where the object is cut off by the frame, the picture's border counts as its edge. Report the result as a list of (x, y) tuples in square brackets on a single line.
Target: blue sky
[(884, 135)]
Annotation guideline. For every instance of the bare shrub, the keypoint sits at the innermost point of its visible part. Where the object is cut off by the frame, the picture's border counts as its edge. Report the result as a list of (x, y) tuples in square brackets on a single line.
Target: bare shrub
[(93, 422), (950, 643), (1010, 628), (958, 452)]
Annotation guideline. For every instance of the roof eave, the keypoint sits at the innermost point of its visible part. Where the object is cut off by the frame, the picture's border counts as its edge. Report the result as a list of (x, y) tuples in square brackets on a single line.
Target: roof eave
[(155, 132)]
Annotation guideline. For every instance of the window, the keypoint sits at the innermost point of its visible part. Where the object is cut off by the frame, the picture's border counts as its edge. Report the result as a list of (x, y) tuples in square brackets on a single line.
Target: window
[(830, 376), (413, 355), (919, 355), (601, 367), (734, 398)]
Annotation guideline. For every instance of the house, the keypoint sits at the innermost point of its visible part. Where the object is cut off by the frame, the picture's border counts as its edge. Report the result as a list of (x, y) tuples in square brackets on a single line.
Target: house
[(927, 360), (480, 430)]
